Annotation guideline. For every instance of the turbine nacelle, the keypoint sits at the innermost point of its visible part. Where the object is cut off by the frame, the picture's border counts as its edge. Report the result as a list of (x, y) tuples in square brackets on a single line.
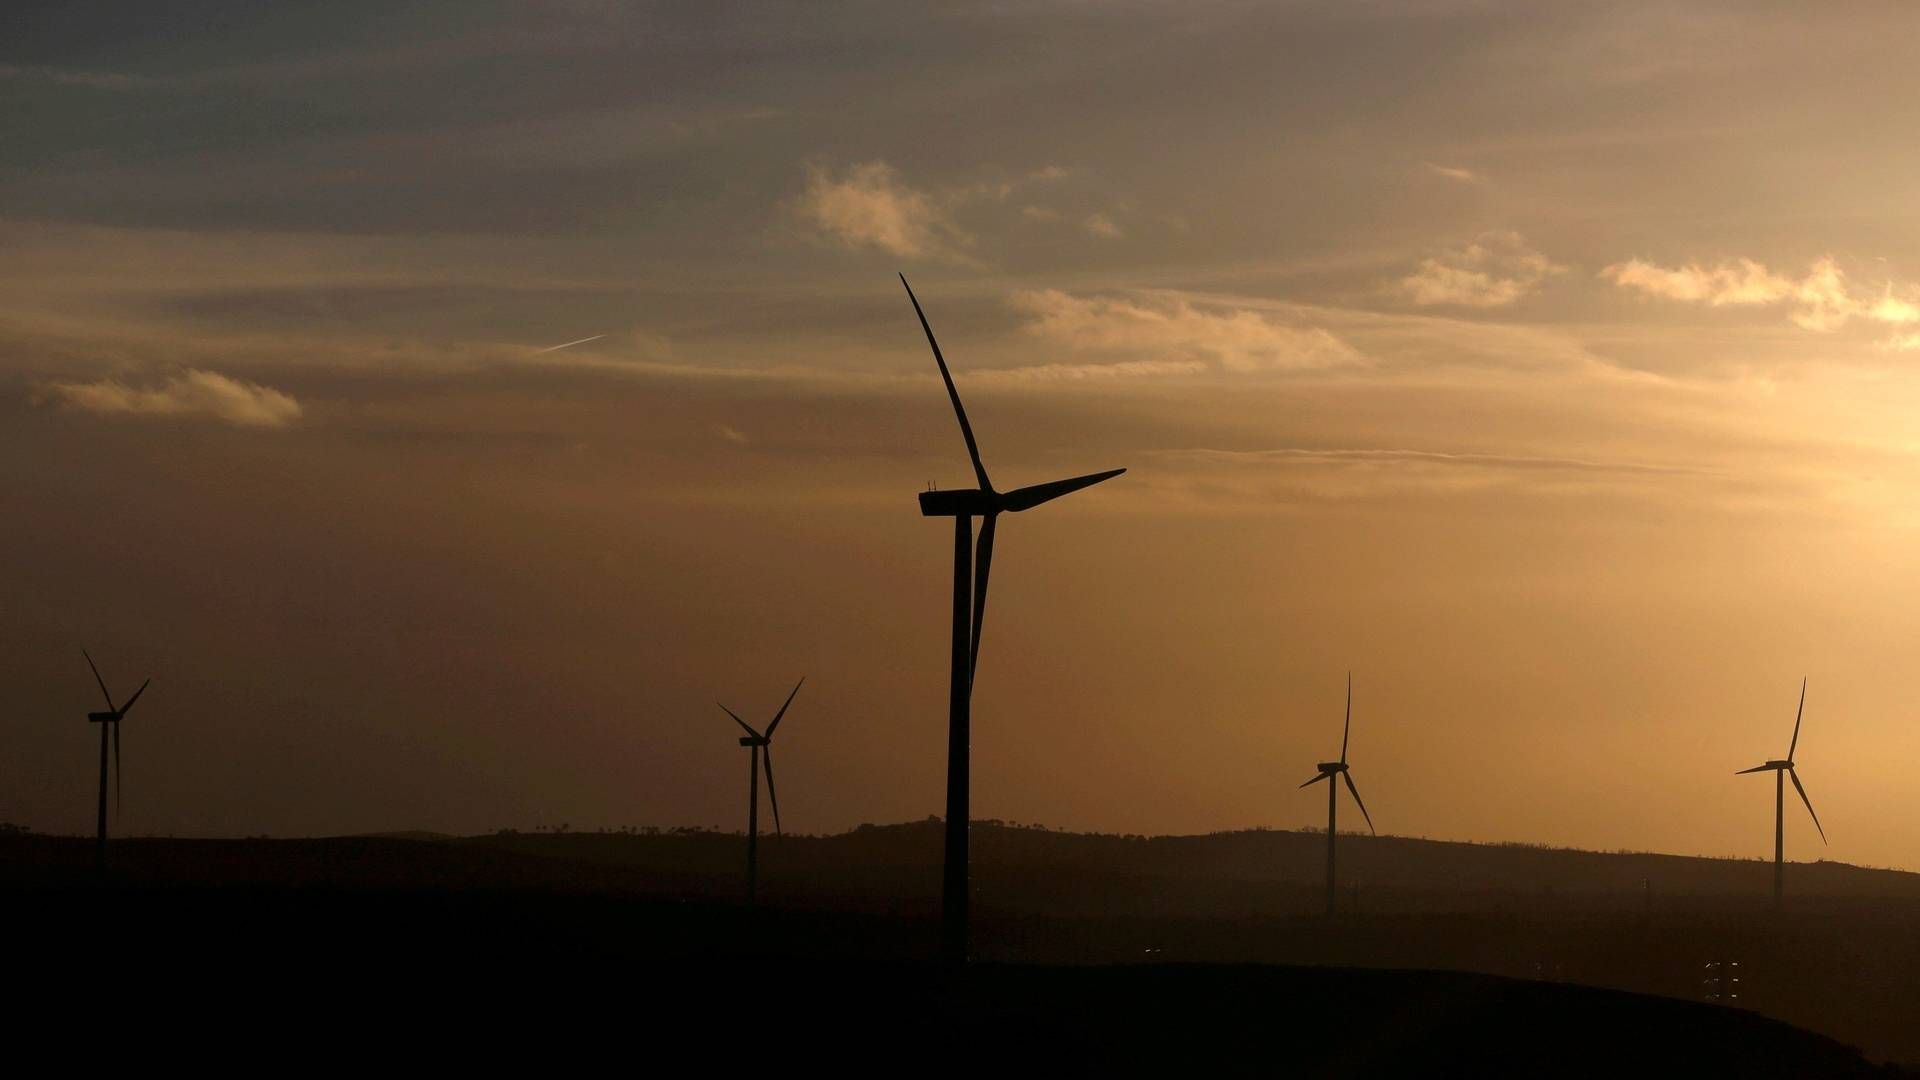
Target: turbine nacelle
[(102, 717), (971, 502), (760, 741), (1330, 768), (986, 502)]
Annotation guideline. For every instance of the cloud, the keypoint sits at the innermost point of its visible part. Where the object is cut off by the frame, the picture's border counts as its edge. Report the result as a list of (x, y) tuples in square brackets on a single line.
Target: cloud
[(1293, 475), (1892, 309), (1175, 334), (192, 393), (1125, 369), (1464, 176), (1288, 454), (1822, 301), (1495, 270), (1742, 281), (870, 207)]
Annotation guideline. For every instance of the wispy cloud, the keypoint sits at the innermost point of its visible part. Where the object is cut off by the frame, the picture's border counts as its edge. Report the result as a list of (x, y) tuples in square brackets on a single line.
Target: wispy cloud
[(1821, 301), (1742, 281), (1161, 334), (1125, 369), (871, 207), (193, 393), (1496, 270), (1464, 176), (1305, 455), (1291, 475)]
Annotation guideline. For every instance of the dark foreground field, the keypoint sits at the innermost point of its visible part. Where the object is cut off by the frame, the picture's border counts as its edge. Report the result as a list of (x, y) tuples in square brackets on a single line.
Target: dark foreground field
[(275, 977), (271, 954)]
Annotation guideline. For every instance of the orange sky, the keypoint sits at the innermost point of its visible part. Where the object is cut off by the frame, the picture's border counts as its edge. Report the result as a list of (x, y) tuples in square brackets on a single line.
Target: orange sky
[(1549, 367)]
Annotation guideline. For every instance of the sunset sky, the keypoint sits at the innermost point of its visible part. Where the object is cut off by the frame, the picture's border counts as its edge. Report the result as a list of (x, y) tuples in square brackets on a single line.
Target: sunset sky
[(1551, 366)]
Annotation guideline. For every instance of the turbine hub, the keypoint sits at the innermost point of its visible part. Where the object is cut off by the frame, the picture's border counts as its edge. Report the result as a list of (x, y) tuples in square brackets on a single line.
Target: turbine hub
[(1331, 767)]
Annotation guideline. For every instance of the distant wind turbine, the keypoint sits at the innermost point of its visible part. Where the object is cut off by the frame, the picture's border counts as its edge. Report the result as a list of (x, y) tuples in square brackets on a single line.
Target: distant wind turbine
[(1780, 769), (1329, 770), (968, 611), (109, 722), (760, 745)]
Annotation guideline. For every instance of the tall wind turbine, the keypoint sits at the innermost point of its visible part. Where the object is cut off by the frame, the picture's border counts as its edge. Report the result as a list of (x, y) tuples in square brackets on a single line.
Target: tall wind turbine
[(1782, 771), (109, 722), (762, 756), (1329, 770), (970, 569)]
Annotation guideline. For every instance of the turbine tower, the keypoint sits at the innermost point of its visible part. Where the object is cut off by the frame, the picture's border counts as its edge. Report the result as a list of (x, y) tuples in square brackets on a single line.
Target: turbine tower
[(971, 566), (761, 747), (1784, 769), (109, 722), (1329, 770)]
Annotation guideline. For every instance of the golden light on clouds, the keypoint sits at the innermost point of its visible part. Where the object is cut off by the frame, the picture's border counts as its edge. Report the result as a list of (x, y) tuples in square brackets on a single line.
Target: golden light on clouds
[(189, 394)]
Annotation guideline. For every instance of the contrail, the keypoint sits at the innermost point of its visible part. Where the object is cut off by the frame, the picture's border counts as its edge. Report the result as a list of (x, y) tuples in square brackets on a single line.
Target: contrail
[(568, 345)]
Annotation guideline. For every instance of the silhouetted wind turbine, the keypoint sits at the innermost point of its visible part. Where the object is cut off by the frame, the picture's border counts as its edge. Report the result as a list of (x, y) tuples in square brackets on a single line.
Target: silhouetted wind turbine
[(1329, 770), (969, 608), (760, 744), (1784, 768), (109, 722)]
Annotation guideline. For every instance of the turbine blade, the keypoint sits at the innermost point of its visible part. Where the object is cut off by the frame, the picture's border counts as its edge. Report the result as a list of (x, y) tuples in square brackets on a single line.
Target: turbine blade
[(766, 762), (1756, 768), (119, 792), (982, 566), (1348, 730), (1027, 498), (136, 697), (783, 707), (1348, 777), (959, 410), (98, 679), (737, 720), (1315, 780), (1796, 718), (1795, 777)]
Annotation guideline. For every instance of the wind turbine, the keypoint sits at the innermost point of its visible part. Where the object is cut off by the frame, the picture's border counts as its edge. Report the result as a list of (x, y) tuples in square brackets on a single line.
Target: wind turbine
[(1329, 770), (109, 722), (1780, 769), (970, 569), (760, 745)]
